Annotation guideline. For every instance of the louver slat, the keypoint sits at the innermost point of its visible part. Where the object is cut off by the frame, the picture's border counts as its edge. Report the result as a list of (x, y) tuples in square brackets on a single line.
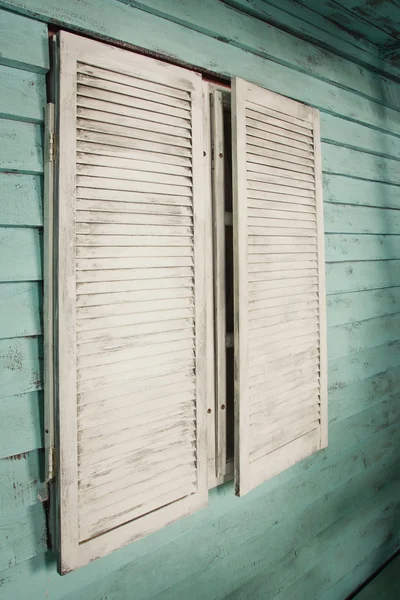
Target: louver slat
[(131, 298), (280, 379)]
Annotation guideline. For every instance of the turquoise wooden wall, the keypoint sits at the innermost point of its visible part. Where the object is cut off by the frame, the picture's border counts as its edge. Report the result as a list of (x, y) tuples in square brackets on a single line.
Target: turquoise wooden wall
[(322, 527)]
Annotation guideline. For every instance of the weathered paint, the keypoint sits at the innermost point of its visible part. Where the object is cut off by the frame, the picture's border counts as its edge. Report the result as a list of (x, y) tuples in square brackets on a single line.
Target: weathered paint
[(321, 528)]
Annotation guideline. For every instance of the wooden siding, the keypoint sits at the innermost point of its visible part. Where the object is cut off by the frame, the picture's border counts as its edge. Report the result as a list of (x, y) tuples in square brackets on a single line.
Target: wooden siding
[(321, 528)]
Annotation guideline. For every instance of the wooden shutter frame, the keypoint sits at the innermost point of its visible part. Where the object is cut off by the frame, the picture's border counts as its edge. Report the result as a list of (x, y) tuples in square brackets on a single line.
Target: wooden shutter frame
[(240, 90), (71, 553)]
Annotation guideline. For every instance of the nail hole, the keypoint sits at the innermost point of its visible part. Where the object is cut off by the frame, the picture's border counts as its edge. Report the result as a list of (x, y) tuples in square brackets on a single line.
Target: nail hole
[(221, 155), (204, 153), (209, 410), (222, 406)]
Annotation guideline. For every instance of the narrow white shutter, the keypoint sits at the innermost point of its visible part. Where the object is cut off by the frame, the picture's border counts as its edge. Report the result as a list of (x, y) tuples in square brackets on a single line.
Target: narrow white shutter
[(131, 301), (280, 328)]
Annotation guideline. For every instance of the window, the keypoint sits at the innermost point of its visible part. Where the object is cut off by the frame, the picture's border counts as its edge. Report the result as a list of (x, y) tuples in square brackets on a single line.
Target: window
[(148, 319)]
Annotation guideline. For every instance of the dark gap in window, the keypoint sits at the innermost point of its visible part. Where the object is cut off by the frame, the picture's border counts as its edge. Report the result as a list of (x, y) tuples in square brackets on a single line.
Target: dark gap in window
[(229, 281), (229, 405)]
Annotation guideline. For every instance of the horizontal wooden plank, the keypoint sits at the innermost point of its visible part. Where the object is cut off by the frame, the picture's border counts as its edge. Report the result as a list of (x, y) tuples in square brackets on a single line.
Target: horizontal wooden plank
[(21, 480), (362, 365), (358, 136), (20, 147), (358, 275), (361, 335), (20, 249), (342, 247), (346, 161), (26, 535), (21, 197), (358, 306), (21, 309), (381, 390), (22, 94), (20, 365), (339, 188), (342, 218), (24, 43), (22, 419)]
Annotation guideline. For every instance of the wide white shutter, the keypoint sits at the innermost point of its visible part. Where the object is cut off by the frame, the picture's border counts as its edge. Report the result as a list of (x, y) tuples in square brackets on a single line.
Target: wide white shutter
[(131, 301), (280, 339)]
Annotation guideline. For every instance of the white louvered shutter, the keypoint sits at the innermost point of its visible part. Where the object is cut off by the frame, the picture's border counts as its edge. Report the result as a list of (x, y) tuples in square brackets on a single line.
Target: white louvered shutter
[(280, 328), (131, 301)]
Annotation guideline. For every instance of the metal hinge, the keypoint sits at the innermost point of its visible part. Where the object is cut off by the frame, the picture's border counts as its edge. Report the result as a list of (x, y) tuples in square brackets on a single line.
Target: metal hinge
[(51, 463), (52, 150)]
